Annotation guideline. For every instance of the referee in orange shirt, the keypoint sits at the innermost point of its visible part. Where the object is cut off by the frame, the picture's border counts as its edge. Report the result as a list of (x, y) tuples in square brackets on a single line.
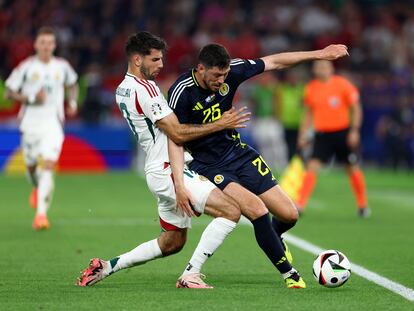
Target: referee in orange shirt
[(332, 108)]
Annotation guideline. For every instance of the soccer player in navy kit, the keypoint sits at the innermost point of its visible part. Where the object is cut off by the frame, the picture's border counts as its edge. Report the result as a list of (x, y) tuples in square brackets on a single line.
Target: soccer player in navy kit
[(201, 96)]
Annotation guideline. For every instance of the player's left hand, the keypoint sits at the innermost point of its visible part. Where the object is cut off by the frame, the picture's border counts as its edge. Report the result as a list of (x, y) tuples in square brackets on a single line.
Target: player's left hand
[(334, 51), (353, 138)]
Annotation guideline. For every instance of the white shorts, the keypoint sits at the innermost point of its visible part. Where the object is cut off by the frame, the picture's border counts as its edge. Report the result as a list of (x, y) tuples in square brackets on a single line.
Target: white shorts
[(47, 145), (162, 186)]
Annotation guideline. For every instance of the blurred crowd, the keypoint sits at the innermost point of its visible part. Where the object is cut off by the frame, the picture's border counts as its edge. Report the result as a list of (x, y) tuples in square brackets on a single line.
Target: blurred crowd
[(380, 35)]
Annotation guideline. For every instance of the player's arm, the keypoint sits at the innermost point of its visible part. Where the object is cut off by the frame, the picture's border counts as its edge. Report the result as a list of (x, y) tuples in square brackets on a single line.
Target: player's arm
[(285, 60), (305, 128), (183, 196), (14, 85), (37, 98), (356, 122), (181, 133), (72, 92), (72, 88)]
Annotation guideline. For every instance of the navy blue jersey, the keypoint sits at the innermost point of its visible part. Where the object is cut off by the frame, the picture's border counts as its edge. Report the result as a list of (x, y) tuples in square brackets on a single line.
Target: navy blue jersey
[(194, 105)]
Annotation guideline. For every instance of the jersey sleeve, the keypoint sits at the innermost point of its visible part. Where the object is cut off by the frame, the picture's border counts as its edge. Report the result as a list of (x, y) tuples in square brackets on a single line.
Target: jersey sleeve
[(178, 100), (150, 102), (243, 69), (351, 93), (70, 75), (15, 81)]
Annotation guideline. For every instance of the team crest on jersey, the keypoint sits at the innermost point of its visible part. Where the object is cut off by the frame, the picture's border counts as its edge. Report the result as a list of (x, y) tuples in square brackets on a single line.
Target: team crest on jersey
[(156, 109), (35, 76), (57, 76), (210, 98), (218, 179), (224, 89)]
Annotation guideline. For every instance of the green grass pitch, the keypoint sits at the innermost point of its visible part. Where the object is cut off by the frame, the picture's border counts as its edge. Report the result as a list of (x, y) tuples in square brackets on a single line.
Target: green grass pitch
[(106, 215)]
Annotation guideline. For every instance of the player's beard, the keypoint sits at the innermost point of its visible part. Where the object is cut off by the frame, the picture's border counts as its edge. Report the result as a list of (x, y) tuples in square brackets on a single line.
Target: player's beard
[(146, 73)]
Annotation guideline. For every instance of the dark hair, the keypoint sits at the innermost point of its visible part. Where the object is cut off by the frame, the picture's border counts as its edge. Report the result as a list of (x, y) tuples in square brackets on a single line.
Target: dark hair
[(45, 30), (214, 55), (142, 43)]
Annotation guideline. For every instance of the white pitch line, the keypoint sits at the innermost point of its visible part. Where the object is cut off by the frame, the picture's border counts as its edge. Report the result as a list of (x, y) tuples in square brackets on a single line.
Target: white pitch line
[(395, 287)]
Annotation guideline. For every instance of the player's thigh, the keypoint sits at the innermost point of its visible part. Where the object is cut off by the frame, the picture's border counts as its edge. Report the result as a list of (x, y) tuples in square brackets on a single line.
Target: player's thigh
[(51, 146), (250, 204), (279, 204), (31, 148), (220, 204), (200, 188), (162, 187)]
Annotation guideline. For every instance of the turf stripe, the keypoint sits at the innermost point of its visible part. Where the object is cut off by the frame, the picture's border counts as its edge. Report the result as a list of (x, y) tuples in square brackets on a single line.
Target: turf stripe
[(395, 287)]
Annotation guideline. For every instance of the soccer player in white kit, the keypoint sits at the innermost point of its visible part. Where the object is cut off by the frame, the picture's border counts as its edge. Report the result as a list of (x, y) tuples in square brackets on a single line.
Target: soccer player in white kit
[(39, 84), (151, 121)]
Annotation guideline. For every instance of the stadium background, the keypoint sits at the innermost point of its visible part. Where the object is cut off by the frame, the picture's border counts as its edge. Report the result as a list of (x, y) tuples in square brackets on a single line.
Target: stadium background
[(91, 35)]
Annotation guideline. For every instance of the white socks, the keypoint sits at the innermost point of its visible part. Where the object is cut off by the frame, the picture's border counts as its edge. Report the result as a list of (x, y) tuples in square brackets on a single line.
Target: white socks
[(44, 191), (212, 237), (138, 256)]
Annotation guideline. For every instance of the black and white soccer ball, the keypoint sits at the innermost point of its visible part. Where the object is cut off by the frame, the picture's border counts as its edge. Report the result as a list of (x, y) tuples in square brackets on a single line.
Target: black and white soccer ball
[(331, 268)]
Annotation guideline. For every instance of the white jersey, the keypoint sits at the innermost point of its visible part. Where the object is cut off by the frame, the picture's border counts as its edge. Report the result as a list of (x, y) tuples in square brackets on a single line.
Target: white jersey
[(29, 78), (142, 104)]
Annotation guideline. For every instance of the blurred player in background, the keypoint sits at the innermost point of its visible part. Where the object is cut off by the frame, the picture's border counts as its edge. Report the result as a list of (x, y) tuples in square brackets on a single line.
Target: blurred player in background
[(289, 93), (333, 110), (151, 120), (39, 84), (201, 96)]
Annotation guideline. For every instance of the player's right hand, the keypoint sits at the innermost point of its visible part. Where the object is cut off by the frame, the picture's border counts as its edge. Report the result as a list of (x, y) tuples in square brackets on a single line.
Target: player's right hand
[(40, 96), (233, 119), (184, 201)]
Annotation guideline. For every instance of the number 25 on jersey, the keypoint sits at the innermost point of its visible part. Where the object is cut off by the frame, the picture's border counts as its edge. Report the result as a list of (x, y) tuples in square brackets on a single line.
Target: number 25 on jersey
[(212, 113)]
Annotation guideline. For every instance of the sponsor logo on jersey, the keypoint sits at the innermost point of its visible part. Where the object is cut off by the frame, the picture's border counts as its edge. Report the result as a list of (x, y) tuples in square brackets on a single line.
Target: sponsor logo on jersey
[(210, 98), (156, 109), (198, 106), (218, 179), (123, 92), (224, 89)]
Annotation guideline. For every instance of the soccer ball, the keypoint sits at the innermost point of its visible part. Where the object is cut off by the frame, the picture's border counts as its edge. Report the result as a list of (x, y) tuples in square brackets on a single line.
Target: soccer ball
[(331, 268)]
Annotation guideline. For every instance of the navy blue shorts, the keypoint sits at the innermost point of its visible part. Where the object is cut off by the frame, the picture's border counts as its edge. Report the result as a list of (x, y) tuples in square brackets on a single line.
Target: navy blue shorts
[(244, 166)]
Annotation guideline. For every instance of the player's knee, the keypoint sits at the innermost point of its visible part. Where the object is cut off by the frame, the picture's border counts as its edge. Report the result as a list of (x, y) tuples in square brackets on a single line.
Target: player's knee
[(172, 246), (254, 210), (293, 216), (49, 165), (232, 211)]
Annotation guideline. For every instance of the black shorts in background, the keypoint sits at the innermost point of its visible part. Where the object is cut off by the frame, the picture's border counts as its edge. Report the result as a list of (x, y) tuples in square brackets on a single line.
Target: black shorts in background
[(329, 144)]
